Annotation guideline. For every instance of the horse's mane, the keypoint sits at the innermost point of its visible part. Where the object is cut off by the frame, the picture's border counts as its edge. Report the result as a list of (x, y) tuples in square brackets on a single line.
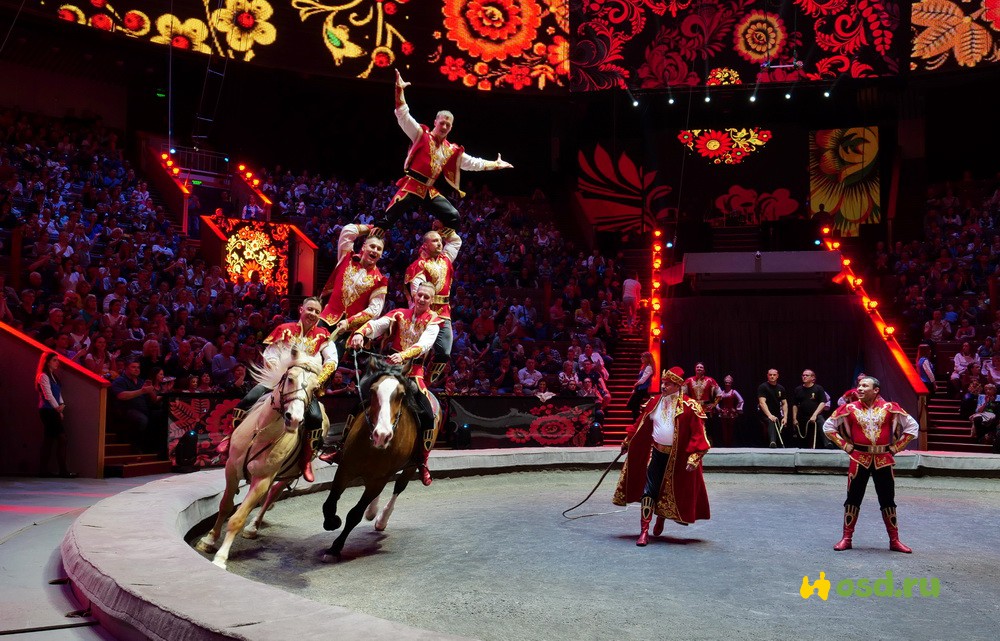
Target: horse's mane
[(269, 374), (377, 368)]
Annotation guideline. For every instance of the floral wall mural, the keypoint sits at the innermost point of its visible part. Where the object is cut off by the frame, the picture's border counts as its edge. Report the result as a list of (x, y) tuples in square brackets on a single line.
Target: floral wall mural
[(844, 177), (951, 35), (256, 247), (726, 147), (511, 45), (654, 44), (618, 194)]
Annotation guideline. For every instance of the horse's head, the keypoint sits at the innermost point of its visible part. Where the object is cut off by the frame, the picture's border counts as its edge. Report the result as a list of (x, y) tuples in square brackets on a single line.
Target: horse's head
[(293, 392), (388, 395)]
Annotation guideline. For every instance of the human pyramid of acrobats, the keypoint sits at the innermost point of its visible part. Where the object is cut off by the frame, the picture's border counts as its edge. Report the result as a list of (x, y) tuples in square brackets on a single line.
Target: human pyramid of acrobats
[(665, 447), (357, 288)]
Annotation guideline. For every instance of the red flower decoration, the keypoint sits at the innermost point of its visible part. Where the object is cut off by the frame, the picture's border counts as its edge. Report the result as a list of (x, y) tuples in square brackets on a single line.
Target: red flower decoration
[(992, 12), (519, 77), (245, 20), (102, 22), (764, 135), (406, 48), (713, 144), (382, 59), (685, 137), (454, 68), (390, 8), (134, 21), (552, 430), (98, 3)]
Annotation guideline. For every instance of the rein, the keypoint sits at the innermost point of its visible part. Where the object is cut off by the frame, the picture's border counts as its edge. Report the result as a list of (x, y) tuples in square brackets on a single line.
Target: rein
[(357, 375)]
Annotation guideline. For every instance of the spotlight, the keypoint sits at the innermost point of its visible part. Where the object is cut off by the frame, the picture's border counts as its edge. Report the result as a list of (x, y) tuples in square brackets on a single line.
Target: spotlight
[(670, 245), (657, 331), (164, 156), (788, 96), (177, 170), (225, 159), (871, 305), (670, 100), (249, 175), (633, 99), (826, 94), (708, 98), (846, 262), (242, 168), (657, 263), (657, 247), (657, 232), (753, 98), (836, 245), (173, 151), (817, 241), (826, 230), (888, 331)]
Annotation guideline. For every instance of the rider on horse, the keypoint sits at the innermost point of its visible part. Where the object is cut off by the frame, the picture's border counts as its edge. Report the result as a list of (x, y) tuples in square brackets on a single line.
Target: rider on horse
[(305, 335), (412, 333)]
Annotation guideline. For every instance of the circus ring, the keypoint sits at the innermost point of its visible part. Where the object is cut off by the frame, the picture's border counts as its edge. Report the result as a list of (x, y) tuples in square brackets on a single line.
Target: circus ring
[(738, 574)]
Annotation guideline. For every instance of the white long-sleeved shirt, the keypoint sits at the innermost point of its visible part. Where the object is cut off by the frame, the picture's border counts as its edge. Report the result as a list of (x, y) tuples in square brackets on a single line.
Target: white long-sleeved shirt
[(45, 393), (412, 129)]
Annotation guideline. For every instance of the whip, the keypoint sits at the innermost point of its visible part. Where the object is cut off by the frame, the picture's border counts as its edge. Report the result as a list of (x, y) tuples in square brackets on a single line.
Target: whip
[(599, 481)]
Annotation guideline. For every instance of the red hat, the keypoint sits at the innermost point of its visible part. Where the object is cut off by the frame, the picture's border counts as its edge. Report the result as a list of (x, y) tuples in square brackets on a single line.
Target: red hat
[(674, 375)]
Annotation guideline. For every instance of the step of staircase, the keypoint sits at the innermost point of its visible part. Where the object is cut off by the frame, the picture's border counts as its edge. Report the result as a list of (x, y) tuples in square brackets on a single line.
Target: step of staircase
[(130, 470)]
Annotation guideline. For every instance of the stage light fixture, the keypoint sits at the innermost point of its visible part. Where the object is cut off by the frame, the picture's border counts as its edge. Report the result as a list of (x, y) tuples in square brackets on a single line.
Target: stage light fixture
[(657, 247), (670, 245), (656, 331), (657, 263), (788, 96), (256, 181), (164, 156), (249, 175), (177, 170), (170, 163), (871, 305), (846, 262), (242, 167), (836, 244), (670, 100), (656, 284), (753, 97), (657, 233), (708, 98), (818, 242), (826, 230), (173, 151), (632, 98), (225, 159), (888, 331), (826, 94)]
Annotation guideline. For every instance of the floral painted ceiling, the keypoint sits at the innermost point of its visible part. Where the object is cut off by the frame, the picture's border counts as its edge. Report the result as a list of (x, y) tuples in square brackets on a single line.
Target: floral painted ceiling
[(506, 45), (656, 44)]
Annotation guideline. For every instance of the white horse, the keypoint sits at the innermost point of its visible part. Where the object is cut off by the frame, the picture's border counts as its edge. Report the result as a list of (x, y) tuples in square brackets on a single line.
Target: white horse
[(266, 445)]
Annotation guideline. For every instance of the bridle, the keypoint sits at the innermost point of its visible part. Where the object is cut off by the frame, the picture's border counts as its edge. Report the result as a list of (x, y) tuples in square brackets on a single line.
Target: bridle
[(284, 398), (368, 421)]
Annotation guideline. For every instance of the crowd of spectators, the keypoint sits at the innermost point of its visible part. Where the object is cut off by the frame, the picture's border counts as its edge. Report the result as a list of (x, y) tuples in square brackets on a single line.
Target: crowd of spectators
[(943, 287), (107, 279)]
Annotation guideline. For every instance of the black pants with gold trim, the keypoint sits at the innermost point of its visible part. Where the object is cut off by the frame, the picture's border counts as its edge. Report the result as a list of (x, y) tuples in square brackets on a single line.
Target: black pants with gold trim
[(654, 473), (438, 206), (885, 486)]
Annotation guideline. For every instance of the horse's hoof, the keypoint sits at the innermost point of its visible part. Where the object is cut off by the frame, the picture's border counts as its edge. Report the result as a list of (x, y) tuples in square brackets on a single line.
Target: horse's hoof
[(380, 527), (204, 546), (331, 524), (220, 563), (331, 558), (250, 533)]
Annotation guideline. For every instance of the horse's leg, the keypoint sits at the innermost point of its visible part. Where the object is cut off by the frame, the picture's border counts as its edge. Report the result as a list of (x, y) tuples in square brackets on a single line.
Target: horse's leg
[(397, 489), (209, 542), (251, 531), (258, 487), (372, 490), (330, 519), (372, 509)]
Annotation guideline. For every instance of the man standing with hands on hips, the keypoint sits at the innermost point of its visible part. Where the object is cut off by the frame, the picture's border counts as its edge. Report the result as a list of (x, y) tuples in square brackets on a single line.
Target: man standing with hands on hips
[(871, 430), (663, 466)]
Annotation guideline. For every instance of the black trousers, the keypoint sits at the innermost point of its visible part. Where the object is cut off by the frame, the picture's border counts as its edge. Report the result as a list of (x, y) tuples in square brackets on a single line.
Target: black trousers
[(885, 486), (438, 206)]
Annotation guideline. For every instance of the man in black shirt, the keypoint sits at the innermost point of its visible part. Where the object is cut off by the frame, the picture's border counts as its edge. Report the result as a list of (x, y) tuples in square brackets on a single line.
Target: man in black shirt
[(808, 403), (773, 402)]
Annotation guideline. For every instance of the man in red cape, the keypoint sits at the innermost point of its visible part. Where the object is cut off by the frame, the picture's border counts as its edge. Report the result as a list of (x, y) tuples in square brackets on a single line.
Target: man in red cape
[(663, 466)]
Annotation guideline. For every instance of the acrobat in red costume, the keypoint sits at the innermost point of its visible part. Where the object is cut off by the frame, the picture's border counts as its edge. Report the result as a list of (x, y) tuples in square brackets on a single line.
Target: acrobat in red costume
[(871, 430), (431, 156)]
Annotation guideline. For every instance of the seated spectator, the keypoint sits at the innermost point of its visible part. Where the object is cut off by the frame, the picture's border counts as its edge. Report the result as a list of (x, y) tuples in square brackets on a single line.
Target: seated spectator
[(506, 377), (223, 364), (986, 349), (542, 393), (969, 400), (937, 329), (529, 377), (987, 416), (133, 397), (963, 359), (974, 373), (965, 331)]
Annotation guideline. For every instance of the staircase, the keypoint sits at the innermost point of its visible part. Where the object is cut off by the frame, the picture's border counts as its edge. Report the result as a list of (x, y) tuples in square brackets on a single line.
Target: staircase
[(946, 430), (123, 460), (736, 239), (623, 374)]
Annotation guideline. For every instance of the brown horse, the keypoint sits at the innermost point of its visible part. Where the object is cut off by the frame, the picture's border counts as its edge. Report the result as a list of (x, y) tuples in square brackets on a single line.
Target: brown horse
[(382, 441)]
